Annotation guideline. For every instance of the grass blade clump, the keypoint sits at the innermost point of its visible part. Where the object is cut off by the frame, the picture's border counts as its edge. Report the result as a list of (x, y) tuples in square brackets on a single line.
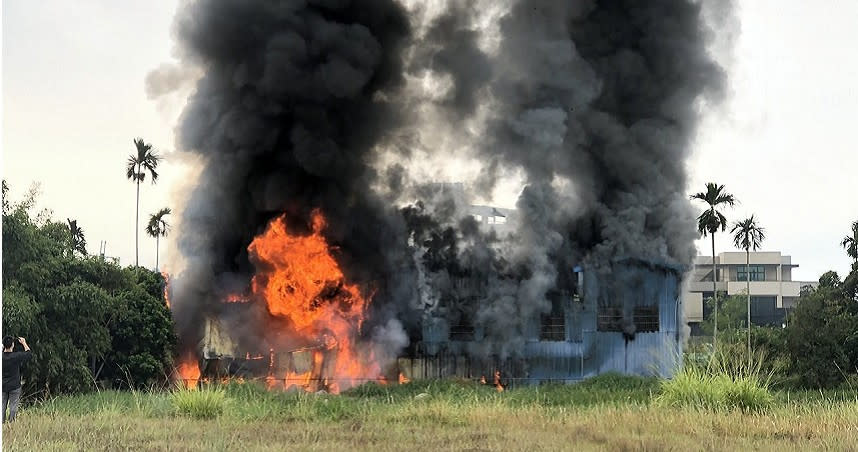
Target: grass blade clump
[(727, 381), (205, 403)]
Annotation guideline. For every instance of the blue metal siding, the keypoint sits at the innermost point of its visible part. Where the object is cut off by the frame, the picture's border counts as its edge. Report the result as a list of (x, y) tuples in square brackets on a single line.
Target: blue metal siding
[(586, 352)]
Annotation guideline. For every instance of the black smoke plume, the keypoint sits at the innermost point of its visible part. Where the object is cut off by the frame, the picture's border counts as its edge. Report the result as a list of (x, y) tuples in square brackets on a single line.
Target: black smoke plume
[(291, 103), (593, 102)]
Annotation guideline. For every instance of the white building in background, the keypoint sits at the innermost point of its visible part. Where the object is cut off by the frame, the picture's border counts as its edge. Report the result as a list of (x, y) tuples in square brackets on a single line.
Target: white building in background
[(497, 218), (773, 291)]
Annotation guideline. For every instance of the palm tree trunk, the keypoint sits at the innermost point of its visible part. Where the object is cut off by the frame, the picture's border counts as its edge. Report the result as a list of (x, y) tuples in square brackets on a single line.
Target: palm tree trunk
[(137, 228), (714, 293), (748, 283), (157, 249)]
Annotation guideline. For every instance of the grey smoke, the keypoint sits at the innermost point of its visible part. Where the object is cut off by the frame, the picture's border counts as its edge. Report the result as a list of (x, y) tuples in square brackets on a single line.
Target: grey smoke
[(597, 102), (594, 102)]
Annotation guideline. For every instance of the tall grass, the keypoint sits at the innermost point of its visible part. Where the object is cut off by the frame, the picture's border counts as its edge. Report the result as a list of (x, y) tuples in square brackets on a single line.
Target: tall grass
[(206, 403), (609, 412), (727, 380)]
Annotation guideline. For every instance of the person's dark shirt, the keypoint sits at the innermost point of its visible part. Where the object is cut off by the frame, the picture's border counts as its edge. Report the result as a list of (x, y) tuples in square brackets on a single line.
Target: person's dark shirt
[(12, 369)]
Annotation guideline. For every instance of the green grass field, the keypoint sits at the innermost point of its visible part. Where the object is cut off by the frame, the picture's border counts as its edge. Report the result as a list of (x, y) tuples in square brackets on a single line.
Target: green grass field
[(607, 413)]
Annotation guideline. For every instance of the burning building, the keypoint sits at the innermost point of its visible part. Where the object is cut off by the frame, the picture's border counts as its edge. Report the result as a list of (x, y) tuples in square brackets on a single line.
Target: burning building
[(312, 248), (628, 323)]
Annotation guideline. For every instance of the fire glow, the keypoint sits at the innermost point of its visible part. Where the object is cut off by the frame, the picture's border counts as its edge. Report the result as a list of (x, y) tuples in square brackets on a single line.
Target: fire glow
[(166, 288), (188, 371), (299, 280)]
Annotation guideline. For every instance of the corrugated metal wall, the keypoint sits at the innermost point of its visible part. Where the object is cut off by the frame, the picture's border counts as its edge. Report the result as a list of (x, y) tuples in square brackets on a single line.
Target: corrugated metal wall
[(586, 351)]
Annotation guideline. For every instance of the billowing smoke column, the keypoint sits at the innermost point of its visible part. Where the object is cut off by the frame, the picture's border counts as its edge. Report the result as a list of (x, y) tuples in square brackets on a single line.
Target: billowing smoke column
[(312, 104), (595, 103), (291, 102)]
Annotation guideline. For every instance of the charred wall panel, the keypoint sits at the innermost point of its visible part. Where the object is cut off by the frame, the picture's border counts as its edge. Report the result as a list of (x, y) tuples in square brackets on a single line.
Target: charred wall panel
[(642, 296)]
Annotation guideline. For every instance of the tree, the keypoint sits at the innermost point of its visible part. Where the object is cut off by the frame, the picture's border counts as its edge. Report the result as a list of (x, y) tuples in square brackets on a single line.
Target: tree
[(77, 240), (135, 170), (730, 319), (87, 319), (143, 340), (850, 243), (822, 335), (158, 228), (747, 234), (708, 223)]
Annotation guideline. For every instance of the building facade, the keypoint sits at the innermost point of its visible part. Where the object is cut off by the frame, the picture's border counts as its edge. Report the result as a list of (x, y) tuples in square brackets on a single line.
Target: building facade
[(627, 320), (773, 291)]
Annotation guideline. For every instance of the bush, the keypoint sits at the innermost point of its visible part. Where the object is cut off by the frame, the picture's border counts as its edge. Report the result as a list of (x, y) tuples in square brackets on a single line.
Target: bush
[(727, 381), (205, 403), (821, 337)]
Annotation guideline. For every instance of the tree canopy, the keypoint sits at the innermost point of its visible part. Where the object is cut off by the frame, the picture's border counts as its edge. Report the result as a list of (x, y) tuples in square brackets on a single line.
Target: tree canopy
[(86, 319)]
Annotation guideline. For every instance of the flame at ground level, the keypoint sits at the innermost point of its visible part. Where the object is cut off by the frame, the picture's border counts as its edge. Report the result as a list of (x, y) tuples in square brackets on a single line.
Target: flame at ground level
[(188, 371), (299, 279)]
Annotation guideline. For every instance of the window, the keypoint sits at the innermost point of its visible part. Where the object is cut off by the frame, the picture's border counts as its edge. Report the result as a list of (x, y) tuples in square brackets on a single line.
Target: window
[(764, 311), (610, 318), (479, 218), (491, 220), (757, 273), (553, 328), (462, 332), (500, 220), (553, 324), (462, 328), (646, 319)]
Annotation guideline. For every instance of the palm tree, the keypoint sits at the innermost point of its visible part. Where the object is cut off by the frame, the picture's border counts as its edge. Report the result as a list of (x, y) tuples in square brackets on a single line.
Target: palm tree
[(135, 170), (158, 228), (78, 241), (747, 234), (850, 243), (708, 223)]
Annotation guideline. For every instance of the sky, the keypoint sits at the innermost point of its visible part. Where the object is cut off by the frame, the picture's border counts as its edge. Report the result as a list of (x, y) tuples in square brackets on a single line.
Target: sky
[(782, 141)]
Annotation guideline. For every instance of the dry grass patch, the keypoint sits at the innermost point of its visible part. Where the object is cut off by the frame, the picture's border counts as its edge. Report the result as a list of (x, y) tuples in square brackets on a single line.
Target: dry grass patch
[(453, 416)]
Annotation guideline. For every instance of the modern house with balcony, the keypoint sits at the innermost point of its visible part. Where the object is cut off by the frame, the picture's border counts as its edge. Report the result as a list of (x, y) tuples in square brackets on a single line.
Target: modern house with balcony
[(773, 291)]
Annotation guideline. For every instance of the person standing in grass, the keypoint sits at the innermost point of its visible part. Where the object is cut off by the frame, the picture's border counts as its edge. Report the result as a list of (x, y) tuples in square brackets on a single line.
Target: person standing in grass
[(12, 374)]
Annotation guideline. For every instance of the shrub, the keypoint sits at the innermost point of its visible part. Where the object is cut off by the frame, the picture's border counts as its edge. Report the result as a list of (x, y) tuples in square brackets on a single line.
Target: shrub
[(727, 381), (205, 403)]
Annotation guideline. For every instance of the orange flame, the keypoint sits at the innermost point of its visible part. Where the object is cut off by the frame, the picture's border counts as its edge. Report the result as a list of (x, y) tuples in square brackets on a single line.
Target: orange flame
[(498, 384), (302, 282), (483, 380), (403, 379), (166, 288), (188, 371), (235, 298), (300, 380)]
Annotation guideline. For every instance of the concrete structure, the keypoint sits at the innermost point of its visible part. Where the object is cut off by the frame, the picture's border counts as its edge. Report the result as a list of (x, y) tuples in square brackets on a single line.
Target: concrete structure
[(501, 220), (773, 291)]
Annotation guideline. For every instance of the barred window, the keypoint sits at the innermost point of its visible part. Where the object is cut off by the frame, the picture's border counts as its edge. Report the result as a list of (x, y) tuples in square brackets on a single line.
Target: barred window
[(646, 319), (462, 328), (610, 318), (553, 328)]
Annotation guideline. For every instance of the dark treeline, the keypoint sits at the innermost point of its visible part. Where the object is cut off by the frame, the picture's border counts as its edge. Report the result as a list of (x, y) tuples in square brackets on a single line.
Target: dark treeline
[(89, 321)]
